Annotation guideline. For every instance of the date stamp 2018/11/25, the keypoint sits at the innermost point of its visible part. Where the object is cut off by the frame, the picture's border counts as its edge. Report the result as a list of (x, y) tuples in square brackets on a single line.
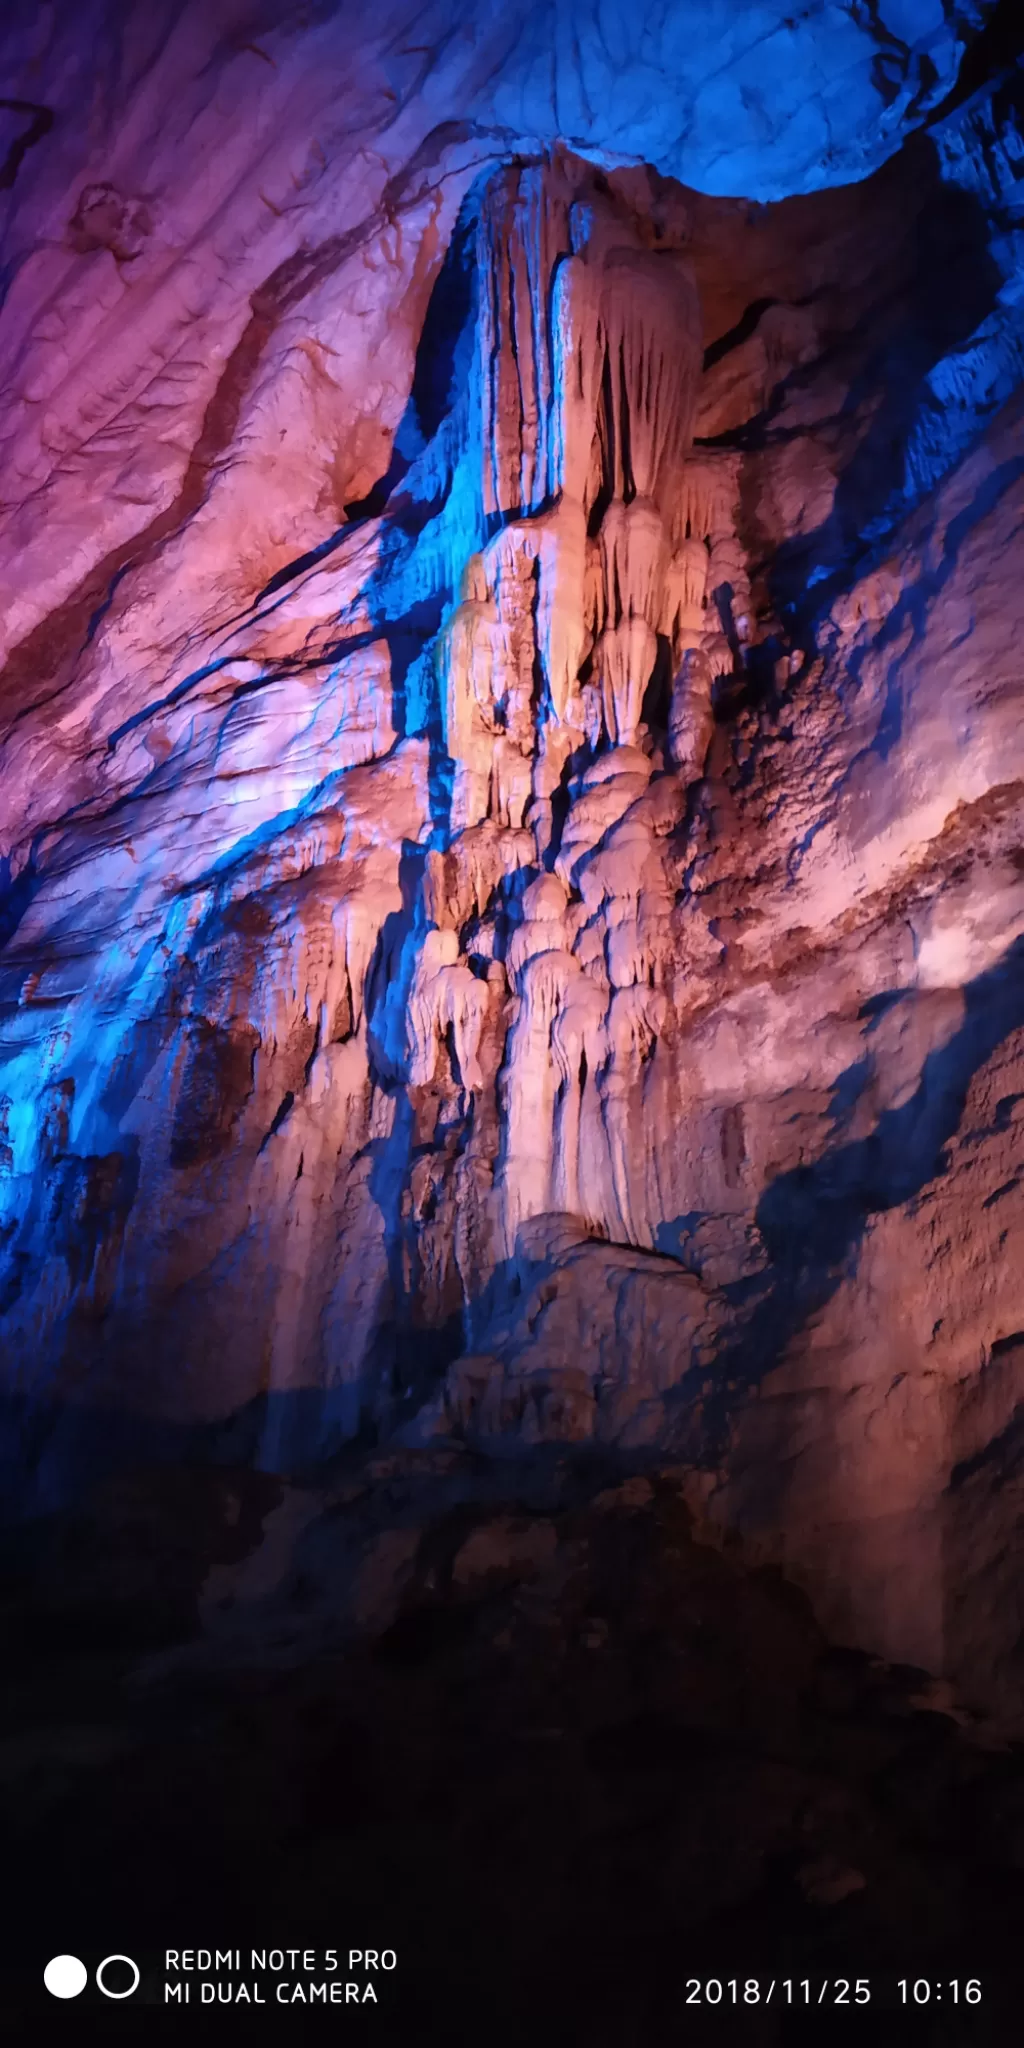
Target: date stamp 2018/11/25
[(732, 1991)]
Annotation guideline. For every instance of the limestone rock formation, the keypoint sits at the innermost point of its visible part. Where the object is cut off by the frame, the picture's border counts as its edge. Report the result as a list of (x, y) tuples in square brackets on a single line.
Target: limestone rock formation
[(512, 777)]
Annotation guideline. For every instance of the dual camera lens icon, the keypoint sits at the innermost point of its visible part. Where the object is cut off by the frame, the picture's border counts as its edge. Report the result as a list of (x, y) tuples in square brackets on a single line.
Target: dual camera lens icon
[(66, 1976)]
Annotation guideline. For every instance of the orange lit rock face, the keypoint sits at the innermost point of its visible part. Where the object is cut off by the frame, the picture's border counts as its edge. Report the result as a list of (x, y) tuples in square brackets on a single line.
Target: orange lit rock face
[(514, 884)]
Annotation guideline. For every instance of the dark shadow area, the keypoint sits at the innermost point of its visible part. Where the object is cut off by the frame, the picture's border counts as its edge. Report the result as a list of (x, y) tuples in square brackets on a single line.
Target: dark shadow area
[(409, 1356), (575, 1765), (59, 1451), (310, 560), (440, 377), (437, 386), (437, 377), (373, 504), (950, 240), (406, 641), (38, 122), (15, 896), (658, 694), (752, 681), (996, 47), (737, 334)]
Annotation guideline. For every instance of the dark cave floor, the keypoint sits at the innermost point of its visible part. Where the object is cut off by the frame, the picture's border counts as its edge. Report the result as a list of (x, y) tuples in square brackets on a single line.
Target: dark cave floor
[(520, 1728)]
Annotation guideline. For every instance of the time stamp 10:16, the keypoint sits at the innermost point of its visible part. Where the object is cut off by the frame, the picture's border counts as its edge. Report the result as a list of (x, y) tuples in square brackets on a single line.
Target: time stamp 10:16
[(832, 1991)]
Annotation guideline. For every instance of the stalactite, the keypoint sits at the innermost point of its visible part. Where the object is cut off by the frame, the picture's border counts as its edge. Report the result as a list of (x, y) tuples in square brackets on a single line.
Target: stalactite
[(523, 232), (683, 616), (567, 288), (707, 509), (445, 995), (791, 338), (577, 348), (476, 667), (358, 921), (461, 880), (633, 560), (579, 1046), (546, 980), (703, 504), (651, 318), (636, 1018), (729, 586), (383, 912), (595, 602), (625, 656), (563, 637)]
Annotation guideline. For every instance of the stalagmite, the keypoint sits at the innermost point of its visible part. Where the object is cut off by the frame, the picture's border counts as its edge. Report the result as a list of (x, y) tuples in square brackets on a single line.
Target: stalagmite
[(691, 716)]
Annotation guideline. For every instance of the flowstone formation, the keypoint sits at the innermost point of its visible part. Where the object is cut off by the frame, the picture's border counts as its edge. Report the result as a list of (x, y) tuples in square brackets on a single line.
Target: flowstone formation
[(586, 605), (435, 1015), (524, 951)]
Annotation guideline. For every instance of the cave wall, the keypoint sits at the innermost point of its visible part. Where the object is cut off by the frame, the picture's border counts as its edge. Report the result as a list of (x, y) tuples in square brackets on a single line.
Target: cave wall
[(512, 767)]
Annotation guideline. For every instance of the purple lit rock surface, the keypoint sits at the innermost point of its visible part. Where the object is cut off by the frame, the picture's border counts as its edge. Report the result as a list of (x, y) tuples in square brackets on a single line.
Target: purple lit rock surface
[(512, 767)]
